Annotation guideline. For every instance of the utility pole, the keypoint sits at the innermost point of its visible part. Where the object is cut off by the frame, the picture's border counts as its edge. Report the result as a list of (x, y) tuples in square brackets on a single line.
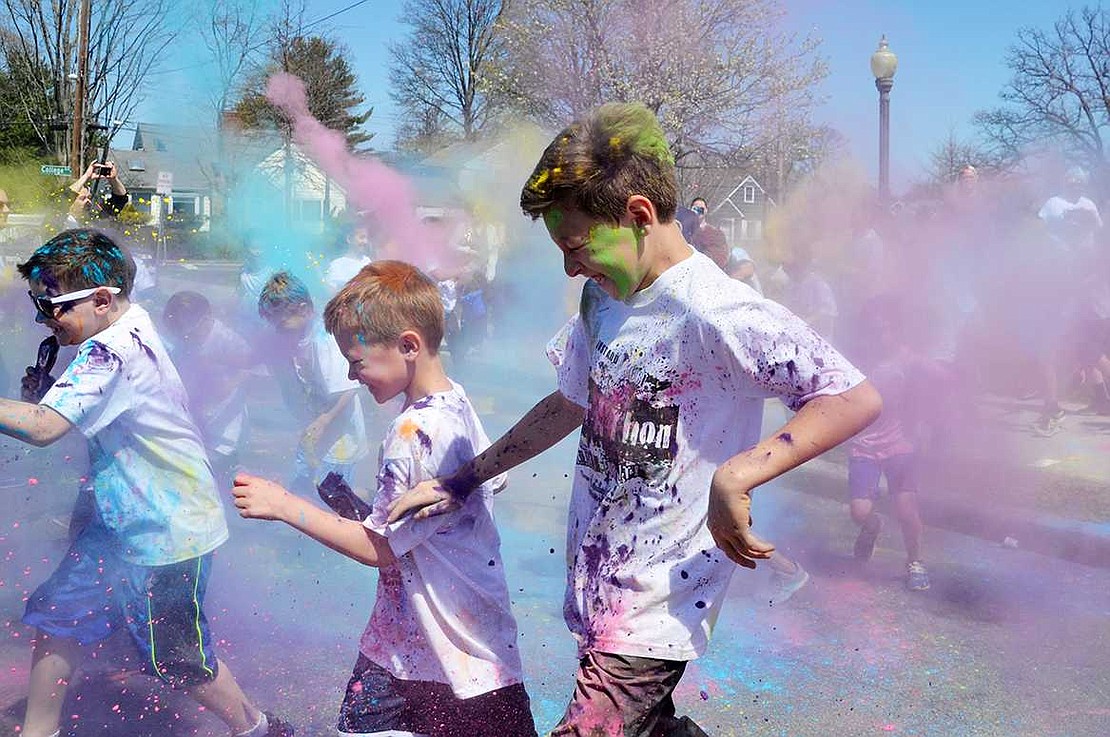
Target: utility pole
[(76, 147)]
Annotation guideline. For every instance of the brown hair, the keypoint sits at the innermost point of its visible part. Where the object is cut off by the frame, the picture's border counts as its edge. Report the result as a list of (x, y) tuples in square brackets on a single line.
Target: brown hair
[(385, 299), (78, 259), (599, 161)]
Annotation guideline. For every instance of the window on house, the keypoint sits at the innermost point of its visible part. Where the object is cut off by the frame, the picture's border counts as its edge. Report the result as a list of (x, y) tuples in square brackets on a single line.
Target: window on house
[(311, 211), (749, 193)]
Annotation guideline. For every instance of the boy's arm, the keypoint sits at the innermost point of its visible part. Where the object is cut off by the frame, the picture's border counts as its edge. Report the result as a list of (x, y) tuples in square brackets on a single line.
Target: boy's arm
[(257, 498), (543, 426), (319, 427), (822, 423), (36, 424)]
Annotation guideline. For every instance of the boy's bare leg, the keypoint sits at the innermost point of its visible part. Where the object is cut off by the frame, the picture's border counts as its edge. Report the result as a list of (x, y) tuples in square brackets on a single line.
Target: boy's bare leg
[(905, 507), (53, 660), (223, 697)]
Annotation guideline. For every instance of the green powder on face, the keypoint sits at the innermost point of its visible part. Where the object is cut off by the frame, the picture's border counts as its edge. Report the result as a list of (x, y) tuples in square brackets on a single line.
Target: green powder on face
[(609, 250), (553, 218)]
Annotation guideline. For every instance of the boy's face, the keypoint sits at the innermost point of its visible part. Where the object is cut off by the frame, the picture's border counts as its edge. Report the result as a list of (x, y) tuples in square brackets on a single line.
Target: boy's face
[(73, 322), (380, 367), (291, 321), (611, 255)]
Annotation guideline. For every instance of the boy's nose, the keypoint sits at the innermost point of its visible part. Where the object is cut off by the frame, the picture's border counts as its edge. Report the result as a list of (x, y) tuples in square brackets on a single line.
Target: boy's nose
[(571, 265)]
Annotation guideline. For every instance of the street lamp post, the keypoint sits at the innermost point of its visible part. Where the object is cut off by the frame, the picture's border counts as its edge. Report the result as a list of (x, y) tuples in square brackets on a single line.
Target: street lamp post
[(883, 65)]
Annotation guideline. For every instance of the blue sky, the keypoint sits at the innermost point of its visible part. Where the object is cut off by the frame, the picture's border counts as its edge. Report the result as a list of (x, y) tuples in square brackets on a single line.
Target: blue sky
[(950, 64)]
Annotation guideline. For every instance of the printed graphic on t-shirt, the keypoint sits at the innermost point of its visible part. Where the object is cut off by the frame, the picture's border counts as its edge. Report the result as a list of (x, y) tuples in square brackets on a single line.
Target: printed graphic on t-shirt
[(630, 432)]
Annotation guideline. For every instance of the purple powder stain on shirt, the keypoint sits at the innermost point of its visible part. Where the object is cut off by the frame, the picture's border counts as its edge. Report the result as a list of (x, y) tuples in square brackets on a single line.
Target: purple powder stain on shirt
[(425, 440), (144, 346)]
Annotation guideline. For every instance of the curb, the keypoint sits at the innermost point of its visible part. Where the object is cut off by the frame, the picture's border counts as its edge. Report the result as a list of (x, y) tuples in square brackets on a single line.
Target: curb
[(1087, 543)]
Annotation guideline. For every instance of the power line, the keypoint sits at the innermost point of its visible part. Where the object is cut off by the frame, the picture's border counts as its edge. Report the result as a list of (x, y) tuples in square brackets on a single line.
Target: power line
[(260, 44)]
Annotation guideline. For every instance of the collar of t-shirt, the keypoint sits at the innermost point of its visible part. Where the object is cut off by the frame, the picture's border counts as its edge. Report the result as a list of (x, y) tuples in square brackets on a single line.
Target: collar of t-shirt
[(677, 271)]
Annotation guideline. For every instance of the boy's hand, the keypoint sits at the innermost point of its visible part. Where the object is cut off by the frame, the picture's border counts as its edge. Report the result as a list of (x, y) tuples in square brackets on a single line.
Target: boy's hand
[(34, 385), (428, 498), (730, 523), (310, 439), (258, 498)]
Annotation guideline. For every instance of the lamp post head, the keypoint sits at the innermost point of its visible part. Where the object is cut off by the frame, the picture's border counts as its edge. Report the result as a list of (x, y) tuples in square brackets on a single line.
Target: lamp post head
[(883, 62)]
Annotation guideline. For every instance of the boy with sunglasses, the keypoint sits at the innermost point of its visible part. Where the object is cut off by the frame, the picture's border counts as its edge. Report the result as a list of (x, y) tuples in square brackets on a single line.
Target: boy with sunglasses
[(141, 562)]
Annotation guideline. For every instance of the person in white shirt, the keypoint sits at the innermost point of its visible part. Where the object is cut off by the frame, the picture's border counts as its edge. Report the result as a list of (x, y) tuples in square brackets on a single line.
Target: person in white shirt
[(141, 563), (358, 248), (312, 376), (439, 654), (664, 370)]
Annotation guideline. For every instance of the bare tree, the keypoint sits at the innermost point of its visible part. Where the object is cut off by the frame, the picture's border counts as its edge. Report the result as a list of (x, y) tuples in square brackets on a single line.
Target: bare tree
[(125, 41), (233, 32), (954, 153), (721, 74), (436, 72), (1060, 90)]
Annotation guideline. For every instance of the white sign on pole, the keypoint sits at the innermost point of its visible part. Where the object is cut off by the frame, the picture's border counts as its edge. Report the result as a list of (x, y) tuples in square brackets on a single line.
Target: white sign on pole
[(165, 183)]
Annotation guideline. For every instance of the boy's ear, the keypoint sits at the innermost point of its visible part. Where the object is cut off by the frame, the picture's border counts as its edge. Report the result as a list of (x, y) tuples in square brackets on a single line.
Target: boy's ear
[(410, 343), (102, 300), (641, 212)]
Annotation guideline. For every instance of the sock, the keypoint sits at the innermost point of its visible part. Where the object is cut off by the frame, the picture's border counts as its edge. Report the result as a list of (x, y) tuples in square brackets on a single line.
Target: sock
[(258, 730)]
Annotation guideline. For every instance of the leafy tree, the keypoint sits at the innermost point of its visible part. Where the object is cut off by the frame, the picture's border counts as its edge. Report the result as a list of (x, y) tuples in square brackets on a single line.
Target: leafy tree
[(950, 156), (1059, 93), (330, 85), (721, 76), (436, 73)]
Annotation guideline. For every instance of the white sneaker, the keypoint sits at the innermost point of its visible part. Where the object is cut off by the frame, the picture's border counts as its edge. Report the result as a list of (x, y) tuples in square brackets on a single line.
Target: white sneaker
[(785, 585)]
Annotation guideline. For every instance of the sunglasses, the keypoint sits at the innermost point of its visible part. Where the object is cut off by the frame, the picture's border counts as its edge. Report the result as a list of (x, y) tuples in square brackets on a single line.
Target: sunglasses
[(48, 306), (698, 209)]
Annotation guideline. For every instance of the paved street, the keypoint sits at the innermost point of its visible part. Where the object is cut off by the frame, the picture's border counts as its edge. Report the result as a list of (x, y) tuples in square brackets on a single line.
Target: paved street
[(1007, 642)]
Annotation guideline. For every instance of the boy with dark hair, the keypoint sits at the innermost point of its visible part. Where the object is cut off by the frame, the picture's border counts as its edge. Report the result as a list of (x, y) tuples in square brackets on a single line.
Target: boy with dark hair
[(313, 378), (668, 363), (141, 563), (439, 654)]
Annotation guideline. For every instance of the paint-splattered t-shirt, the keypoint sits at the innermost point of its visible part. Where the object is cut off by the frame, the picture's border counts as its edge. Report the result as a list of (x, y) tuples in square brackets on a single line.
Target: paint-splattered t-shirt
[(442, 613), (673, 381), (150, 476)]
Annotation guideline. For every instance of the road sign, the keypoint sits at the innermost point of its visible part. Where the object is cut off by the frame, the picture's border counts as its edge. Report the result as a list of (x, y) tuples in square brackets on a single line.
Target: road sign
[(165, 183), (58, 171)]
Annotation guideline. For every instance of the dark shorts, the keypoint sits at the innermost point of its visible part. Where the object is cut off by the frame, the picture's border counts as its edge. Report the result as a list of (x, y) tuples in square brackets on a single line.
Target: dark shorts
[(864, 475), (376, 701), (625, 696), (94, 593)]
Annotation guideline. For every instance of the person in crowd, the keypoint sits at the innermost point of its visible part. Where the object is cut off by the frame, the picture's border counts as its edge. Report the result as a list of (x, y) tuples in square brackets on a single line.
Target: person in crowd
[(213, 361), (1071, 221), (706, 238), (312, 375), (357, 252), (809, 295), (888, 446), (141, 562), (439, 654), (741, 267), (664, 369)]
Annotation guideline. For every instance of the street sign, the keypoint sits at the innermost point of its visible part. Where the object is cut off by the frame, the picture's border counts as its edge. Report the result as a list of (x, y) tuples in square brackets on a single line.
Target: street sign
[(57, 171), (165, 183)]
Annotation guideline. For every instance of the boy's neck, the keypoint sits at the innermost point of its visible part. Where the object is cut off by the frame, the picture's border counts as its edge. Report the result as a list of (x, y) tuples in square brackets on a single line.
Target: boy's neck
[(428, 378), (667, 247)]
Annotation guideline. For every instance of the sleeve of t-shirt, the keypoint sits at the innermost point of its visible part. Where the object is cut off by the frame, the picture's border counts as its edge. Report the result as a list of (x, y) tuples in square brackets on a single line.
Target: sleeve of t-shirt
[(776, 351), (91, 392), (403, 467), (333, 366), (569, 353)]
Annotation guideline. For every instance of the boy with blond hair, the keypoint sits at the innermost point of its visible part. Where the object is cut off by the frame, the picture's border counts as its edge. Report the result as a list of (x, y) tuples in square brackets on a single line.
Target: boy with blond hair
[(141, 563), (438, 656), (664, 369)]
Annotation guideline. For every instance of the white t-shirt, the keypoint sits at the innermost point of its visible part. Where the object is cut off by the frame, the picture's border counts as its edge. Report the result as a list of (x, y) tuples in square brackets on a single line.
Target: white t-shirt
[(310, 374), (1072, 224), (673, 382), (153, 485), (341, 270), (442, 613)]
